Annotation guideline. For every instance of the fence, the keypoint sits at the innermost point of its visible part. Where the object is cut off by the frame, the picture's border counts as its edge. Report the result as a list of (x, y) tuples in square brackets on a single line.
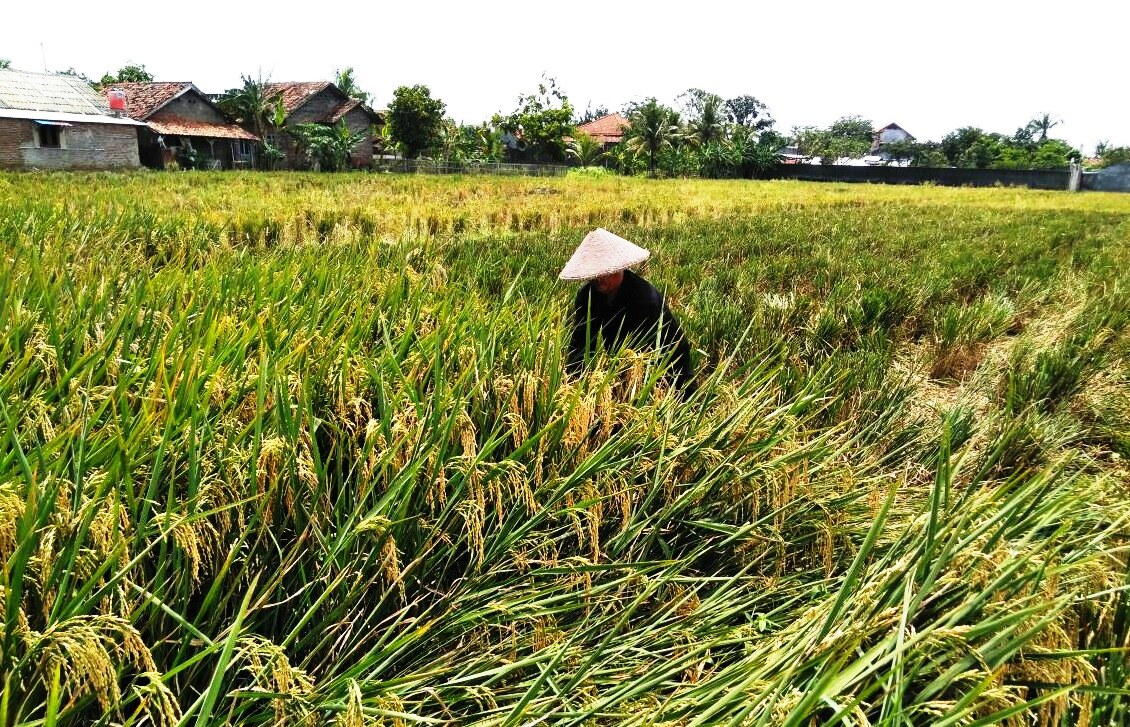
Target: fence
[(428, 166), (1033, 178), (1111, 179)]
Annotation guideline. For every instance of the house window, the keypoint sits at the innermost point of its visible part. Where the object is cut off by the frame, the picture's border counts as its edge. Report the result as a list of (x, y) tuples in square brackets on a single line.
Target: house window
[(49, 137)]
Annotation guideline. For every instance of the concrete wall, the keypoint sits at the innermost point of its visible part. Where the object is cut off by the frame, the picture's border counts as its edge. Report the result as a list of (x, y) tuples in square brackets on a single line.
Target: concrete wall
[(1111, 179), (86, 146), (1034, 178)]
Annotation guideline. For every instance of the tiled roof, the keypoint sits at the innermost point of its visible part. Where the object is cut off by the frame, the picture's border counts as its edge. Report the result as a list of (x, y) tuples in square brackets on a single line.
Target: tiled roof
[(294, 93), (607, 129), (49, 92), (142, 99), (206, 129), (342, 110)]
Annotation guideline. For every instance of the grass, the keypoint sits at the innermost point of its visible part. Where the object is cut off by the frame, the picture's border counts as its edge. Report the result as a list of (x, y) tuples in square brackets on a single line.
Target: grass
[(295, 449)]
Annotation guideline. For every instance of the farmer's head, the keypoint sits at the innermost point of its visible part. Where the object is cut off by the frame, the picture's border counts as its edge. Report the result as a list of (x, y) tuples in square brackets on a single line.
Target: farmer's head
[(602, 257)]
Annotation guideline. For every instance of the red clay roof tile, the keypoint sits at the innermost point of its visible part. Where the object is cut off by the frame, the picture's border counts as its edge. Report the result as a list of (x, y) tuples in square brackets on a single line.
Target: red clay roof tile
[(607, 129)]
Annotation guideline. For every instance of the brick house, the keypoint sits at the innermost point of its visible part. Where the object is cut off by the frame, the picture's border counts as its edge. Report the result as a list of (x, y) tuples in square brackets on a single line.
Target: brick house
[(321, 102), (52, 121), (178, 116)]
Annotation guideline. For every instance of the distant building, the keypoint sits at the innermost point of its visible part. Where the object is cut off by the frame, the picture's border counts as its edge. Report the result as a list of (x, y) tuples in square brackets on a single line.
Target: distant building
[(792, 155), (53, 121), (608, 130), (887, 135), (321, 102), (178, 116)]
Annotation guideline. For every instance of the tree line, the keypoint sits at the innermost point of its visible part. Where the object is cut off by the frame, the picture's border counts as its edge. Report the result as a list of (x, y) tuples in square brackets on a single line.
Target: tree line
[(700, 134)]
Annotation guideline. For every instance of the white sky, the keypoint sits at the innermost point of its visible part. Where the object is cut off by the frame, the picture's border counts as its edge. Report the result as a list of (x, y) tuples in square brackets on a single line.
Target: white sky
[(928, 65)]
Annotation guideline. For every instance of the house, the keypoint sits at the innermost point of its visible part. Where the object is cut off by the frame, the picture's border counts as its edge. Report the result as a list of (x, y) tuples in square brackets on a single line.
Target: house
[(887, 135), (183, 124), (608, 129), (321, 102), (792, 155), (53, 121)]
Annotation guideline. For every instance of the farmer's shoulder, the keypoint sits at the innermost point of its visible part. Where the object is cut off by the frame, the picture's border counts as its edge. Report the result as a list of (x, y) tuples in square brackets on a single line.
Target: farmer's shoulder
[(642, 292), (583, 295)]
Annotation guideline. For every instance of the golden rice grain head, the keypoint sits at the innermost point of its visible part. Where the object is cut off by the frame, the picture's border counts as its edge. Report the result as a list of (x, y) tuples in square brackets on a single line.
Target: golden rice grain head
[(89, 651), (465, 429), (353, 715), (271, 671), (157, 704)]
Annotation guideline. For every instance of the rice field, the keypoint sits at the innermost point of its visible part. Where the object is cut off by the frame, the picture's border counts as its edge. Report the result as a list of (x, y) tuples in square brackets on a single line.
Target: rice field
[(299, 450)]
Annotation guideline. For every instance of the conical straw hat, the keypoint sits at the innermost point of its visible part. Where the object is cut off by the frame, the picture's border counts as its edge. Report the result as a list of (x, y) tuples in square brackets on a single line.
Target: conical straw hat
[(602, 253)]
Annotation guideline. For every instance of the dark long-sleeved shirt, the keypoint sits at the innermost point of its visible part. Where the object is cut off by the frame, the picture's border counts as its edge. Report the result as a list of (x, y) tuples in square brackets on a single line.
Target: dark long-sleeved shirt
[(632, 317)]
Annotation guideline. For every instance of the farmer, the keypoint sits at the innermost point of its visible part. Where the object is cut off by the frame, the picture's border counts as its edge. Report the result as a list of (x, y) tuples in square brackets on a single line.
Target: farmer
[(621, 306)]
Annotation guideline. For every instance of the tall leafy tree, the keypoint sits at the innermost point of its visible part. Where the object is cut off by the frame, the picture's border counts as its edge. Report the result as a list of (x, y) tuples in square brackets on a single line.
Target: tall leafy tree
[(851, 136), (415, 119), (916, 154), (653, 130), (130, 73), (955, 144), (541, 121), (1108, 155), (749, 112)]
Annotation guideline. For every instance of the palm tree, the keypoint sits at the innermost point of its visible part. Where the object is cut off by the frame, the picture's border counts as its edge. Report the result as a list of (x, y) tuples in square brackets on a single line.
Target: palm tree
[(710, 125), (347, 84), (651, 131), (1043, 124), (585, 149), (251, 105)]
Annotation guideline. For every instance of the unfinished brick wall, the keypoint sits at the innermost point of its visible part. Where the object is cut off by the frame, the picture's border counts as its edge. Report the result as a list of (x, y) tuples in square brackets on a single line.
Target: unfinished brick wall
[(360, 122), (87, 146), (14, 133)]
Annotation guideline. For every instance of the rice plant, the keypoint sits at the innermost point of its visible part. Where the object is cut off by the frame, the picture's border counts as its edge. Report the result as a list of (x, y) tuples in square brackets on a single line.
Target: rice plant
[(292, 449)]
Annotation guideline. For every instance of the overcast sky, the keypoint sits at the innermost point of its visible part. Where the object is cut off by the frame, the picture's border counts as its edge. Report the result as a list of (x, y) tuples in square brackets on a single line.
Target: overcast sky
[(928, 65)]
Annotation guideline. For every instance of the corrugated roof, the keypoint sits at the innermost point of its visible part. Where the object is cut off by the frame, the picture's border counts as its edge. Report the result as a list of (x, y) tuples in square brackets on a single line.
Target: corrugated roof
[(608, 129), (142, 99), (49, 92), (70, 118), (206, 129)]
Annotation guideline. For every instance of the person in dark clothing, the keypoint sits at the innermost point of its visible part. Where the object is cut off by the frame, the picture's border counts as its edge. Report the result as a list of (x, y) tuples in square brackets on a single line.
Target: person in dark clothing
[(621, 308)]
